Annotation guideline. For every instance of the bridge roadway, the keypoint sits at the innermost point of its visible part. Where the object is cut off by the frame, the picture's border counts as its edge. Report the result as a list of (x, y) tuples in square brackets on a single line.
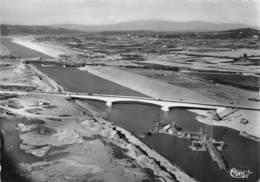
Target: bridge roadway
[(165, 105)]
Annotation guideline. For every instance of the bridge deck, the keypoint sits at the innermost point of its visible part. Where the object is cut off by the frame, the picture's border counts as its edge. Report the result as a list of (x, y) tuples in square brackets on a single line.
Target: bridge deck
[(78, 95), (255, 107)]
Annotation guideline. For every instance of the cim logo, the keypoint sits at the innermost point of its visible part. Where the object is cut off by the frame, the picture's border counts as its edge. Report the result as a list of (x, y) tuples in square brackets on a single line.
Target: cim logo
[(239, 173)]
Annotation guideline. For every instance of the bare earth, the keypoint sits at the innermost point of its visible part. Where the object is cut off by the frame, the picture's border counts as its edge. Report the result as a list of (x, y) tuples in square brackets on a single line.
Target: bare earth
[(77, 143), (159, 89), (3, 50), (90, 153)]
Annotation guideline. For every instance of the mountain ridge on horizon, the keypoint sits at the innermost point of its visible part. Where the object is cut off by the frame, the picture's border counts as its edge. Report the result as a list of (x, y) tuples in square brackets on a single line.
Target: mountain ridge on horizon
[(157, 25)]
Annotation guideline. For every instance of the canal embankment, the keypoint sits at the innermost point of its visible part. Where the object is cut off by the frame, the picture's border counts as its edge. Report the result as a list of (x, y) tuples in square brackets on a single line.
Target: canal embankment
[(43, 77), (150, 87), (175, 150), (162, 90), (149, 159), (133, 144), (57, 117), (50, 50)]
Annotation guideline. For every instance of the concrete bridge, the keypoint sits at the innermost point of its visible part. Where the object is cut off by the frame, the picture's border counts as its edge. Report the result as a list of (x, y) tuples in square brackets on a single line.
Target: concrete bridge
[(165, 105)]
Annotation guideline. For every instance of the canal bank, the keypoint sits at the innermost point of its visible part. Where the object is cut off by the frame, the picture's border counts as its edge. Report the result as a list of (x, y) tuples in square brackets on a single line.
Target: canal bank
[(175, 150), (198, 165), (140, 155), (84, 144)]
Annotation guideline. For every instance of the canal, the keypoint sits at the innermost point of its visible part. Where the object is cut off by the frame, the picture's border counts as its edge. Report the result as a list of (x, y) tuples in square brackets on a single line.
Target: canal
[(239, 152)]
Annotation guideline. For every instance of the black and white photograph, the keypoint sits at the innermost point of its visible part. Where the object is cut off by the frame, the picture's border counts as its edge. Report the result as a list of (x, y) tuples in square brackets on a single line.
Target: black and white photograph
[(129, 90)]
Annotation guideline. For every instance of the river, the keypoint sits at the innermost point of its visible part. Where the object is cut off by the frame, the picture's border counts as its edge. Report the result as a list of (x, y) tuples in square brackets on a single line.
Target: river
[(239, 152)]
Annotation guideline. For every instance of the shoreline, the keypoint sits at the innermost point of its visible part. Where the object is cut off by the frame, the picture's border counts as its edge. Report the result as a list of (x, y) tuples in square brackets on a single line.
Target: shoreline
[(126, 133), (106, 73), (147, 86), (141, 84), (48, 49), (172, 169), (46, 79)]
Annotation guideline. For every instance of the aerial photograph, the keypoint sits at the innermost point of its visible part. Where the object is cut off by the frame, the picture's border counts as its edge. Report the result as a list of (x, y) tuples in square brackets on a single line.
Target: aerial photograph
[(130, 90)]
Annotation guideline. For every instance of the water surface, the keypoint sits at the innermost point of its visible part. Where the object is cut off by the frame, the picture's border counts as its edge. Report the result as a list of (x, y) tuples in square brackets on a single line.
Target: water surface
[(239, 152), (138, 118)]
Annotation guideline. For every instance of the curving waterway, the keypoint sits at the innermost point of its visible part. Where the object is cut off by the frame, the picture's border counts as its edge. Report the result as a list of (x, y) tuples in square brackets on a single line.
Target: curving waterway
[(239, 152)]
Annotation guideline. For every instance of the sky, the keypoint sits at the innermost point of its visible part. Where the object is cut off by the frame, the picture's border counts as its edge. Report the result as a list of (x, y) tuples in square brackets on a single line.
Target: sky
[(48, 12)]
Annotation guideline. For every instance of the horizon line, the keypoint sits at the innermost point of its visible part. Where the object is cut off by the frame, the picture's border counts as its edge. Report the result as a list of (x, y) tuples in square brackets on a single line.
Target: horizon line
[(119, 22)]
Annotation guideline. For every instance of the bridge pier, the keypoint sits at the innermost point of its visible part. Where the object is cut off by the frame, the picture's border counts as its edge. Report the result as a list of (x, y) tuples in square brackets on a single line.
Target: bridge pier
[(109, 103), (165, 108)]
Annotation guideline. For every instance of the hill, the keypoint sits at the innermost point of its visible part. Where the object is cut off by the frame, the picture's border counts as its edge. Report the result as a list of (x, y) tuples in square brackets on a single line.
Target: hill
[(240, 33), (35, 30), (156, 25), (200, 30)]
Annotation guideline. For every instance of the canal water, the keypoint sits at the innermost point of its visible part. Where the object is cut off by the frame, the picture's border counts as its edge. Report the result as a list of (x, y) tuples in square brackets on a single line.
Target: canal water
[(11, 154), (21, 51), (239, 152)]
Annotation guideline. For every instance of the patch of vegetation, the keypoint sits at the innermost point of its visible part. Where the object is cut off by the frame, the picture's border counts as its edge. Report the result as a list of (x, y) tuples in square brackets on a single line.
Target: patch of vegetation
[(34, 110), (44, 130), (14, 104), (18, 87), (65, 115), (55, 119), (7, 96), (50, 107), (31, 121)]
